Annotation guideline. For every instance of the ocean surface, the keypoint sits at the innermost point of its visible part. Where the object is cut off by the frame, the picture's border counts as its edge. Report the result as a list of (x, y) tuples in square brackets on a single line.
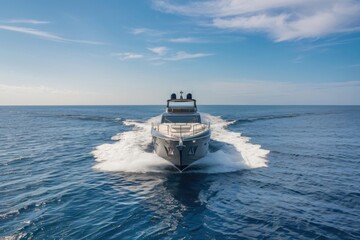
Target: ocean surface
[(89, 172)]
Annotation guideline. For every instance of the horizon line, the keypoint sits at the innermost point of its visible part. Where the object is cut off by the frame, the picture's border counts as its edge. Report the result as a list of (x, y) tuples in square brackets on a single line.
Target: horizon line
[(106, 105)]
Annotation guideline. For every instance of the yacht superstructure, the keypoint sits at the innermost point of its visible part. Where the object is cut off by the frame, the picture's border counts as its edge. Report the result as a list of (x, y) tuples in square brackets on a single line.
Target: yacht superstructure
[(181, 137)]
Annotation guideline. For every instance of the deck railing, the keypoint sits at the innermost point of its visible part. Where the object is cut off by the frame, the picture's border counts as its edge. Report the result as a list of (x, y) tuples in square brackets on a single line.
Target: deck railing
[(180, 129)]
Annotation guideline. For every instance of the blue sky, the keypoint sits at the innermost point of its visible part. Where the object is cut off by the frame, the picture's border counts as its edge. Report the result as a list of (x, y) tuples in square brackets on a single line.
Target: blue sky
[(138, 52)]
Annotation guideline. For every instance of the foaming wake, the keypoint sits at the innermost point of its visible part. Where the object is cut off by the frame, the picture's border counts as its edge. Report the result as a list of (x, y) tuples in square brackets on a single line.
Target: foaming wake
[(128, 153), (234, 152), (229, 151)]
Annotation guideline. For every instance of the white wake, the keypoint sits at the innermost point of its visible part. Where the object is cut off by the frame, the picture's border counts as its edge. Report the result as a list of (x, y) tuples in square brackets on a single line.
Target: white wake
[(232, 152)]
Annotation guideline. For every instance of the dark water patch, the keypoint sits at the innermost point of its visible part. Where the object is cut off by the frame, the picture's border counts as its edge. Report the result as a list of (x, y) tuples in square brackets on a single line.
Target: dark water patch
[(234, 122), (90, 118), (302, 155), (263, 118)]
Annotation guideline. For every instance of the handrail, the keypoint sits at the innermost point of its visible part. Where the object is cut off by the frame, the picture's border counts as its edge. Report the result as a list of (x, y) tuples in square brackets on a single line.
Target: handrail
[(181, 129)]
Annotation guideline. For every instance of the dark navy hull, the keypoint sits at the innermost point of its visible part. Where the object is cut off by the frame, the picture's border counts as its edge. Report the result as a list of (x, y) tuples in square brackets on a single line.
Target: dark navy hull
[(182, 154)]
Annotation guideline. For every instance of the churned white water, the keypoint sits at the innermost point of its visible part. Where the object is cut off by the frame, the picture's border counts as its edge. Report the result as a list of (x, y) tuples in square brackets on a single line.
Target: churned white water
[(235, 151), (232, 152)]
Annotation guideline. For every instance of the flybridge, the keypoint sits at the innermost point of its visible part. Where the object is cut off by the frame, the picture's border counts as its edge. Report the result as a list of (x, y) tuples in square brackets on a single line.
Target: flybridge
[(181, 105)]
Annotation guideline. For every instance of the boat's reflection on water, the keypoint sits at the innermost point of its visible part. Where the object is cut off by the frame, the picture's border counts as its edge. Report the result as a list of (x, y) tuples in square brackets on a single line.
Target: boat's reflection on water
[(171, 189), (170, 200), (166, 200)]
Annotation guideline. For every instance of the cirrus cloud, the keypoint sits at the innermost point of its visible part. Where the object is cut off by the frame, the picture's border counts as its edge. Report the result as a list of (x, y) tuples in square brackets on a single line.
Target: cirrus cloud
[(45, 35), (128, 55), (181, 55), (283, 20), (28, 21), (160, 55), (185, 40), (159, 50)]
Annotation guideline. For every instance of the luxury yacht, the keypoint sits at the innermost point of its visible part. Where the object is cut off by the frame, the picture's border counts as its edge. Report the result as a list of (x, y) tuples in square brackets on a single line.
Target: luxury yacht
[(181, 137)]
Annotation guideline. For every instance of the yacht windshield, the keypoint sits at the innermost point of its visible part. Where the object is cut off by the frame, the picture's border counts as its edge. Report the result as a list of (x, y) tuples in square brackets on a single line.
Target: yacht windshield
[(181, 119), (181, 104)]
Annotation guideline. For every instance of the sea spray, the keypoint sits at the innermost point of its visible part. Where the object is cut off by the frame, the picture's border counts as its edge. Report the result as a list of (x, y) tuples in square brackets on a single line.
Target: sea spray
[(128, 153), (233, 151)]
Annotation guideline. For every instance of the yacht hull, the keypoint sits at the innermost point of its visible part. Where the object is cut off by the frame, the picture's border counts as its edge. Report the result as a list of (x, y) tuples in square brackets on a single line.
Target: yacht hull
[(182, 152)]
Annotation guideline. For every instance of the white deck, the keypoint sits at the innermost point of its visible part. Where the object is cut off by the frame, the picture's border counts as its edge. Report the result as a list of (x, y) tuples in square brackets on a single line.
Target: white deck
[(180, 129)]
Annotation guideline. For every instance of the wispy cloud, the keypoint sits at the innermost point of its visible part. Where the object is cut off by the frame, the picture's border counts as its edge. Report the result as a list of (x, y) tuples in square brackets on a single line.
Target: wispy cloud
[(45, 35), (159, 50), (34, 32), (165, 54), (128, 55), (137, 31), (146, 31), (181, 55), (160, 55), (28, 21), (327, 44), (185, 40), (283, 20)]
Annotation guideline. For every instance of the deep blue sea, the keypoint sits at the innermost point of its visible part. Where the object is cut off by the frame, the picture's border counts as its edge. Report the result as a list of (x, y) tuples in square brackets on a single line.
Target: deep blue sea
[(88, 172)]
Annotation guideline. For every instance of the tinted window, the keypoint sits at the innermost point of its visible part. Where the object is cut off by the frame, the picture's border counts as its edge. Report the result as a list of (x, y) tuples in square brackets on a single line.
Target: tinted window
[(181, 119)]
